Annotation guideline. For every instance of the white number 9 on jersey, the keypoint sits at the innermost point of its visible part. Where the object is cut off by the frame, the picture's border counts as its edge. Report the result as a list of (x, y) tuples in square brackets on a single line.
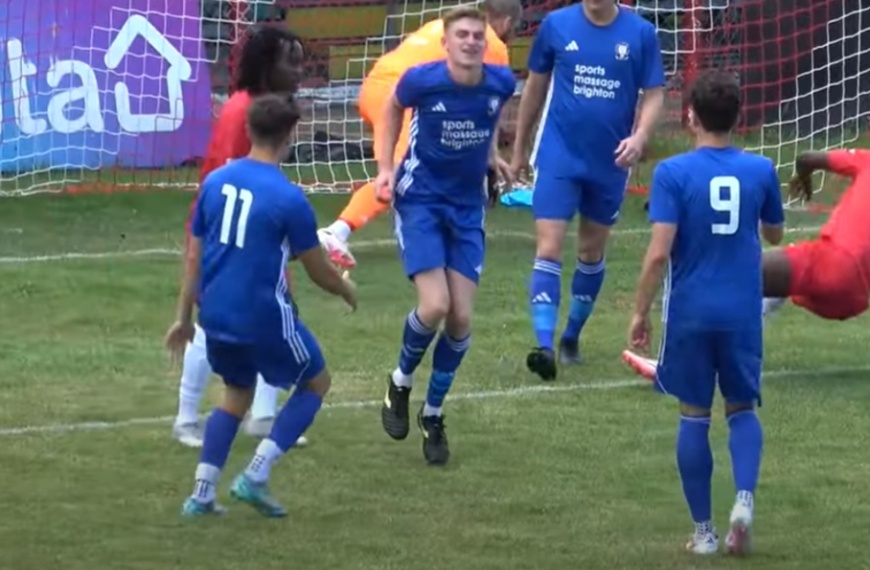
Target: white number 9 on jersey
[(727, 202)]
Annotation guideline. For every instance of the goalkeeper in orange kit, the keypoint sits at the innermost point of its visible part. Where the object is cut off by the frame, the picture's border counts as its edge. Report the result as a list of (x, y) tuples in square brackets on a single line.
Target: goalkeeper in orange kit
[(420, 47)]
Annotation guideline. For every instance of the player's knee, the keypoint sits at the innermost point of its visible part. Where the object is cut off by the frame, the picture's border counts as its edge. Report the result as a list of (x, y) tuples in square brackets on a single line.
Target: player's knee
[(591, 241), (458, 321), (550, 238), (433, 307), (433, 297), (433, 312), (590, 247), (237, 400), (732, 408), (692, 411), (590, 253), (321, 383)]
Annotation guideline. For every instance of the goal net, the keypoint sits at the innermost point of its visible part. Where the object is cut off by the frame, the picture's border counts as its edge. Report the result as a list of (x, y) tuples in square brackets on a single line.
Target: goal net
[(121, 94)]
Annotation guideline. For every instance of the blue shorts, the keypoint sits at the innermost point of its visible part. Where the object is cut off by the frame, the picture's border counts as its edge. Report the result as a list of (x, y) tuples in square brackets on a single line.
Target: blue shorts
[(283, 363), (560, 198), (692, 360), (439, 235)]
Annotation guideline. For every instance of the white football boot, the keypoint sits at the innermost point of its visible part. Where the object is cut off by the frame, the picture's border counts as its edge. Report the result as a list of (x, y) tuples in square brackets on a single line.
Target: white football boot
[(739, 539), (337, 248), (703, 543)]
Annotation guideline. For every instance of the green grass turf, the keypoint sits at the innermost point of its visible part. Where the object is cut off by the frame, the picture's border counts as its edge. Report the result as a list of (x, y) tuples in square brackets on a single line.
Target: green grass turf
[(582, 476)]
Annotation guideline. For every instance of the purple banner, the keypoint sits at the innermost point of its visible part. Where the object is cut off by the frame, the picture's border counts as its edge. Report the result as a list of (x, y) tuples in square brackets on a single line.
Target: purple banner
[(101, 83)]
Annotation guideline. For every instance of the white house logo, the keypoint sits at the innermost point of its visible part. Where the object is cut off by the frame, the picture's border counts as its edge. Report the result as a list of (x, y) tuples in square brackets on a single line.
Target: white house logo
[(179, 70), (75, 103), (622, 51)]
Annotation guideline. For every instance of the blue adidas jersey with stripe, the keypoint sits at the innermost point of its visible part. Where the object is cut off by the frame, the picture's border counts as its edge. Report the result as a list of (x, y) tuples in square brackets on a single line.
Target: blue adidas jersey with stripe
[(716, 197), (597, 73), (251, 221), (451, 132)]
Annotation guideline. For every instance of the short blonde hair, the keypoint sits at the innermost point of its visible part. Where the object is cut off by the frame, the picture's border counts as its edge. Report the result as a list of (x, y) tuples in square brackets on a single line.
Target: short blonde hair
[(461, 13)]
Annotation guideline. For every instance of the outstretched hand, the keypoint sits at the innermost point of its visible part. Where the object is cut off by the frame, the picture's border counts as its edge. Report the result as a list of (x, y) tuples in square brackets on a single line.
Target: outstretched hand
[(179, 334), (640, 333), (384, 186), (630, 150), (349, 293), (801, 187), (498, 178)]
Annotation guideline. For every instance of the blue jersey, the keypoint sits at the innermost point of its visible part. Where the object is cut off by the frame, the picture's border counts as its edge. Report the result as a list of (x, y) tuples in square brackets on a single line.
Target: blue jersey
[(251, 220), (597, 73), (716, 197), (451, 132)]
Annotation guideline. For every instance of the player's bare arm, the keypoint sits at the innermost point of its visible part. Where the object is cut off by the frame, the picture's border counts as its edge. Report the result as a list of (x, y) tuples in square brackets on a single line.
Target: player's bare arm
[(181, 332), (654, 262), (498, 164), (323, 273), (528, 112), (772, 234), (651, 105), (386, 167)]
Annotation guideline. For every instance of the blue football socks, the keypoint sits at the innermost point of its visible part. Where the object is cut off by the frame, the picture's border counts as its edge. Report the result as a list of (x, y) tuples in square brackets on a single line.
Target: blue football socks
[(695, 463), (585, 286), (544, 296)]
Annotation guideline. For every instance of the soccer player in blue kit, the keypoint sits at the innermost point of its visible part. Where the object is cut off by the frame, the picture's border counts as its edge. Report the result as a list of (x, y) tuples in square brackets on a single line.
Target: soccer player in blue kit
[(705, 208), (439, 201), (247, 223), (588, 64)]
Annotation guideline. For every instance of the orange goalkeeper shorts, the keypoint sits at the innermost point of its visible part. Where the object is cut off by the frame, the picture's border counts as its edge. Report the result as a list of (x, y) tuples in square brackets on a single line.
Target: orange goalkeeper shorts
[(826, 280)]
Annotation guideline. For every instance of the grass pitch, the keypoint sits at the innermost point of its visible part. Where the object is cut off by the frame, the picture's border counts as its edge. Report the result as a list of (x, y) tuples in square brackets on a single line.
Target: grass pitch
[(575, 474)]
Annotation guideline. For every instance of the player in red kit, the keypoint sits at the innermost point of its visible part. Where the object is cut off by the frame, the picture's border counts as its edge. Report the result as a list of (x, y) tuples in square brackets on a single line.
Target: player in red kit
[(271, 62), (827, 276)]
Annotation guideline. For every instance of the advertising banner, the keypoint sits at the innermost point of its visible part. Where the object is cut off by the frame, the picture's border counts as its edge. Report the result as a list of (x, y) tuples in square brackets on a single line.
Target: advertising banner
[(102, 83)]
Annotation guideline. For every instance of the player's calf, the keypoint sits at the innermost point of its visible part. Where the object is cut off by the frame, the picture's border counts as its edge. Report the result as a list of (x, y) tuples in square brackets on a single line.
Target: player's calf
[(450, 349), (420, 328), (545, 293), (220, 431), (585, 285), (695, 464), (745, 442), (295, 417)]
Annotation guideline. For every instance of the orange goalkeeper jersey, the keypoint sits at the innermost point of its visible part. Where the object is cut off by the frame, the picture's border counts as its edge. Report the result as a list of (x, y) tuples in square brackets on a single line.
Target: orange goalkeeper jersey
[(424, 46)]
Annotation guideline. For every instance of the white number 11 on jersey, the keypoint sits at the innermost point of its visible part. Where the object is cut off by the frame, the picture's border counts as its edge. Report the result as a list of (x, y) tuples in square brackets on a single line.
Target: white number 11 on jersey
[(232, 194), (729, 205)]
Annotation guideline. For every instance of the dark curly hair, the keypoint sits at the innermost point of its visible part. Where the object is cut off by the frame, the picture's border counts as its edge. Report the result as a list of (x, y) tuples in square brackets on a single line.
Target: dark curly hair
[(263, 47)]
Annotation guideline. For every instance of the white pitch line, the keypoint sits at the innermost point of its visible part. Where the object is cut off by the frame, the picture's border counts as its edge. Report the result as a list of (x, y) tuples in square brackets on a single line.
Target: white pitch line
[(361, 244), (160, 252), (518, 392)]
